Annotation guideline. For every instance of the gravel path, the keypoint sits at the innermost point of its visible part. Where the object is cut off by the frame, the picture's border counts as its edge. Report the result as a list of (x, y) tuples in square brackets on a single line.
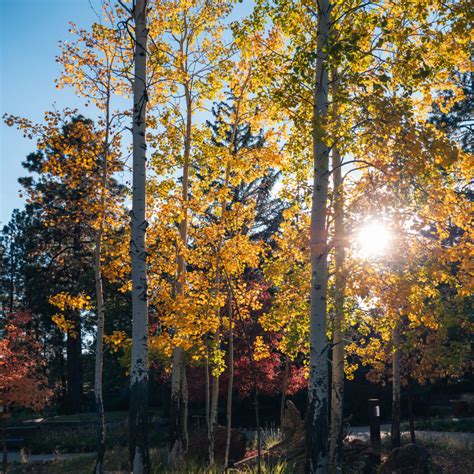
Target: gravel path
[(445, 438)]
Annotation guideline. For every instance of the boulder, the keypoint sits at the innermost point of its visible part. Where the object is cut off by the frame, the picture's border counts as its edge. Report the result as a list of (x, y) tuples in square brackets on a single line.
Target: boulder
[(358, 457), (292, 422), (408, 459)]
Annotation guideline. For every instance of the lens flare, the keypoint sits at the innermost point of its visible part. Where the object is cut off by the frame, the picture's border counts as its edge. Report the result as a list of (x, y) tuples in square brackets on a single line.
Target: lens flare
[(373, 240)]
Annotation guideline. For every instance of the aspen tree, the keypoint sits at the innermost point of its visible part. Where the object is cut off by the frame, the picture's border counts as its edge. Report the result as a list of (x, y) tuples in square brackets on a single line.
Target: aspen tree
[(90, 65), (186, 45), (395, 435), (337, 381), (317, 415), (139, 454), (230, 386)]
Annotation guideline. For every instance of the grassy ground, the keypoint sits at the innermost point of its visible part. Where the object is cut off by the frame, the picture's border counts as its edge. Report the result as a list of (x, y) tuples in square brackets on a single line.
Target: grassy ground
[(81, 440), (110, 416), (81, 435), (465, 425), (116, 461), (18, 417), (451, 461), (447, 461)]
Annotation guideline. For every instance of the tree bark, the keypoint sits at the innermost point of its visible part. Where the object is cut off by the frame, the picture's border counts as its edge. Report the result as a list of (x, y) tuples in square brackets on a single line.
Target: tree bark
[(12, 276), (337, 392), (213, 416), (177, 436), (214, 398), (99, 350), (139, 455), (99, 359), (317, 413), (74, 369), (230, 386), (4, 417), (217, 335), (283, 396), (59, 345), (396, 388), (74, 335), (411, 413), (208, 394)]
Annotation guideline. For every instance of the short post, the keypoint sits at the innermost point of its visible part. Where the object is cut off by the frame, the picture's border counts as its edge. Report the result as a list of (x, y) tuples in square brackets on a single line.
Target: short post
[(374, 419)]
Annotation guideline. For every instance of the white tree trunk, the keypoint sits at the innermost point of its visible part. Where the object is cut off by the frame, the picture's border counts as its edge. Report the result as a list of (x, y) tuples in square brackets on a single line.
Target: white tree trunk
[(217, 336), (213, 417), (337, 393), (284, 389), (208, 394), (230, 386), (317, 414), (99, 350), (396, 388), (139, 455), (99, 357), (178, 439)]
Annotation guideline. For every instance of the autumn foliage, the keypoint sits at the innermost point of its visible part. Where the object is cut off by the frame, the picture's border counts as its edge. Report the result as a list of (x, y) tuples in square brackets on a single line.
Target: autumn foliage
[(264, 147), (23, 382)]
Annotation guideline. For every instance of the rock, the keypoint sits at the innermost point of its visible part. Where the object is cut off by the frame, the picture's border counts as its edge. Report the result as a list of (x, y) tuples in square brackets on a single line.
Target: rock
[(292, 422), (460, 407), (408, 459), (199, 445), (358, 457), (291, 449)]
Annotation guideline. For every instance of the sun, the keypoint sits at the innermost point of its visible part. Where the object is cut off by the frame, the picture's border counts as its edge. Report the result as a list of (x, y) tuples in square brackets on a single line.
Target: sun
[(373, 240)]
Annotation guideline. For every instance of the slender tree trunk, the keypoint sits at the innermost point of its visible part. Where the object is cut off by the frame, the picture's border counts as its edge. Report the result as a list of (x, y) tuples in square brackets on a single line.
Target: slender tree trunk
[(12, 276), (99, 350), (208, 395), (283, 395), (4, 416), (178, 440), (58, 344), (411, 413), (230, 386), (214, 399), (99, 356), (217, 335), (74, 336), (99, 360), (337, 392), (74, 369), (185, 405), (317, 414), (396, 388), (213, 416), (139, 455), (254, 377)]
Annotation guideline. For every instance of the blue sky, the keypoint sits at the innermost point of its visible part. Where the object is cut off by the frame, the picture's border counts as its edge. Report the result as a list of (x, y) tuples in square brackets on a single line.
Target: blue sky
[(29, 35)]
